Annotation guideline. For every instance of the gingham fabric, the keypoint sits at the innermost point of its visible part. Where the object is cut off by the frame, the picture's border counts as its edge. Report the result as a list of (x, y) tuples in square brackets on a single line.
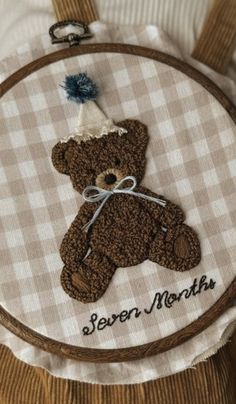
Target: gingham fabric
[(190, 159)]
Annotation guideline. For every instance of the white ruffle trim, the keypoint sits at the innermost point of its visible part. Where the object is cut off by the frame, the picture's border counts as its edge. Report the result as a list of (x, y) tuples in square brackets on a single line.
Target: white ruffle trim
[(88, 133)]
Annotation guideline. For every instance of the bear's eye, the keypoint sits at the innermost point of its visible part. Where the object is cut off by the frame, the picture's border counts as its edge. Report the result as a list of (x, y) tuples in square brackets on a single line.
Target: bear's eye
[(117, 161)]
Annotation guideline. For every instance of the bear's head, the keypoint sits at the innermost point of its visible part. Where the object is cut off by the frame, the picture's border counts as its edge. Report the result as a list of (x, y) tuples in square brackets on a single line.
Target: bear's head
[(104, 161)]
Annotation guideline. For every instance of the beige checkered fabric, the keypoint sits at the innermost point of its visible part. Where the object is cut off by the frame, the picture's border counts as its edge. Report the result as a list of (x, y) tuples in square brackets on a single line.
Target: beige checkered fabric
[(190, 160)]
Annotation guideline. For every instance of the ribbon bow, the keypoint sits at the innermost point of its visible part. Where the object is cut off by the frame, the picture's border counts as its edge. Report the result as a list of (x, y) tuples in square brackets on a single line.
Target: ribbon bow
[(100, 194)]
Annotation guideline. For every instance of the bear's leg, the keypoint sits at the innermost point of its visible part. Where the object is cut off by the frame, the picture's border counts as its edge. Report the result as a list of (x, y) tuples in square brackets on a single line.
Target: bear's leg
[(177, 248), (88, 281)]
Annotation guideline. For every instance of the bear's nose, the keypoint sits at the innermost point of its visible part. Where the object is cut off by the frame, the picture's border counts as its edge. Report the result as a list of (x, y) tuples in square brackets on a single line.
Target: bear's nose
[(110, 179)]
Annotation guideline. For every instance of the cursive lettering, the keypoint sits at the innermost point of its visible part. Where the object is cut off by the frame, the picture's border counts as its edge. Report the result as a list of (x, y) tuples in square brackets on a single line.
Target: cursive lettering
[(103, 322), (161, 299)]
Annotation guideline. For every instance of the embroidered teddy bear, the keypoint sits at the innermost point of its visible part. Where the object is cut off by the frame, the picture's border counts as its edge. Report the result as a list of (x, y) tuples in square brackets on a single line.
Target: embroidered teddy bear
[(121, 223), (129, 228)]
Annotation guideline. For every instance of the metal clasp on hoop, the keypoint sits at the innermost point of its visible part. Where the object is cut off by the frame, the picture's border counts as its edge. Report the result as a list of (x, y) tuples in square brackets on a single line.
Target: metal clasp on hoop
[(74, 37)]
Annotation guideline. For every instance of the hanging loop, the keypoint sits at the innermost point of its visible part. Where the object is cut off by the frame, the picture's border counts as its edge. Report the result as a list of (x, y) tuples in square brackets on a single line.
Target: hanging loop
[(79, 31)]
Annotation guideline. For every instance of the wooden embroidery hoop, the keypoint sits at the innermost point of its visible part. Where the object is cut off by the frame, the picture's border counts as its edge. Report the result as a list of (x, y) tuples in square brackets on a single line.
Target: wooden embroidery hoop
[(194, 328)]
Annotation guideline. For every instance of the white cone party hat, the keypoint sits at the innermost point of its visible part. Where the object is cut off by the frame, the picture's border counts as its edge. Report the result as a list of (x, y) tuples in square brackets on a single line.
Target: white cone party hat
[(92, 122)]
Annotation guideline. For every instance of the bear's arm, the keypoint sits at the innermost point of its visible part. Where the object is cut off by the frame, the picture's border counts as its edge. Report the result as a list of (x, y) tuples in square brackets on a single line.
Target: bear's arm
[(169, 215), (74, 245)]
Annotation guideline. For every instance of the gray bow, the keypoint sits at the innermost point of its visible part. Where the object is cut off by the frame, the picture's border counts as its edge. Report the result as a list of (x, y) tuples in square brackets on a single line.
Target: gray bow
[(103, 195)]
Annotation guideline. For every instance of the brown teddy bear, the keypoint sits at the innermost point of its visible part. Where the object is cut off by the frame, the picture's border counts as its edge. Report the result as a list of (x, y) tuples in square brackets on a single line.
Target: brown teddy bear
[(131, 227)]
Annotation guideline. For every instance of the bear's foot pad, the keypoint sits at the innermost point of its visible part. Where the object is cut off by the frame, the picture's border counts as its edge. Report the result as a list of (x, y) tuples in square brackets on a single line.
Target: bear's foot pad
[(88, 281), (177, 248)]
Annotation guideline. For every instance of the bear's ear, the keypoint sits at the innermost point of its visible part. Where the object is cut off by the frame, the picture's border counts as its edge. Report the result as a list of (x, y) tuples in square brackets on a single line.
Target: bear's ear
[(137, 133), (59, 157)]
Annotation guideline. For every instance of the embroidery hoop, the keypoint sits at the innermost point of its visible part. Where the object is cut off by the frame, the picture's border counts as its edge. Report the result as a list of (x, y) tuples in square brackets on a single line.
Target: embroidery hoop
[(194, 328)]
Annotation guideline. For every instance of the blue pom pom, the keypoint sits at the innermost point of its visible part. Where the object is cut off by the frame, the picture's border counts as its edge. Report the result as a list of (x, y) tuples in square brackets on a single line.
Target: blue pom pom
[(80, 88)]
